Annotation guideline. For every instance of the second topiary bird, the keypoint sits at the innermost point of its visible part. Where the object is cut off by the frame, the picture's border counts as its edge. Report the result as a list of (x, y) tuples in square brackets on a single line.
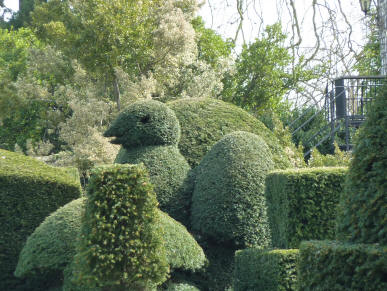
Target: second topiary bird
[(149, 133)]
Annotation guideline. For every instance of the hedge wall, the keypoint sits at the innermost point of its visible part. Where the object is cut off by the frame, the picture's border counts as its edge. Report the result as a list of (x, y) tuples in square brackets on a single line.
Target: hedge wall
[(265, 270), (228, 203), (29, 191), (120, 244), (205, 121), (336, 266), (302, 204), (168, 172), (145, 123)]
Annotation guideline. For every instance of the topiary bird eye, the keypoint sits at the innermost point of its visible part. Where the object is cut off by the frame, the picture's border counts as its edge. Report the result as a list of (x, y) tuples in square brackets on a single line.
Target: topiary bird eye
[(145, 119)]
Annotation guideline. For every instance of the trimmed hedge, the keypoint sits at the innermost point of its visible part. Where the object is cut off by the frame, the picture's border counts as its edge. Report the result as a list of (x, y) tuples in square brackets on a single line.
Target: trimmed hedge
[(145, 123), (228, 203), (182, 250), (205, 121), (168, 172), (266, 270), (120, 245), (363, 207), (302, 204), (29, 191), (51, 247), (336, 266)]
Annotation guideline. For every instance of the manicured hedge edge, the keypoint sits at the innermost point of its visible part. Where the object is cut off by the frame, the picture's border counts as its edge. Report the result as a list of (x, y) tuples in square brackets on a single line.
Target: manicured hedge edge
[(302, 204), (29, 191), (332, 265), (265, 270), (120, 245)]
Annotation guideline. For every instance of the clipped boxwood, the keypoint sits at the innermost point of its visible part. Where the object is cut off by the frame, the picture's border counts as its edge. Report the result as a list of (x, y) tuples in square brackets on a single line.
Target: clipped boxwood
[(145, 123), (302, 204), (51, 247), (266, 270), (120, 245), (29, 191), (205, 121), (168, 172), (182, 250), (337, 266), (363, 207), (228, 203)]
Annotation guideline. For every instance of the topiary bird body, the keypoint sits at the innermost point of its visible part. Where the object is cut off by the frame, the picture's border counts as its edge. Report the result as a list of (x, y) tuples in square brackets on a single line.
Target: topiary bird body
[(149, 133)]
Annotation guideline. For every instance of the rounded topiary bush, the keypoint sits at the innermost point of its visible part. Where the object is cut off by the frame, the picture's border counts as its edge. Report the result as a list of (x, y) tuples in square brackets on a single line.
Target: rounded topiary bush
[(205, 121), (169, 173), (228, 203), (145, 123), (52, 245), (363, 208)]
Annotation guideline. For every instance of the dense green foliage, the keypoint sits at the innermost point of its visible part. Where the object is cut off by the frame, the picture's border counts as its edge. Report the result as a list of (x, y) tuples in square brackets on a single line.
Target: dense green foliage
[(228, 203), (265, 72), (266, 270), (363, 207), (302, 204), (181, 287), (120, 244), (205, 121), (145, 123), (211, 46), (29, 192), (182, 251), (51, 247), (336, 266), (169, 172)]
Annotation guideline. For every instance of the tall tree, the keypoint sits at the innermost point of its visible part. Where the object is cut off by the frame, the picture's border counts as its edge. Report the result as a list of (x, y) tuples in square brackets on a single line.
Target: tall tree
[(265, 72)]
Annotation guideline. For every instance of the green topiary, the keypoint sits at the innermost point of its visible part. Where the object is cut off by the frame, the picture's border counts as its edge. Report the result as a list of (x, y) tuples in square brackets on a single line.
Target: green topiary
[(228, 203), (169, 172), (29, 191), (183, 252), (205, 121), (120, 245), (145, 123), (265, 270), (337, 266), (51, 247), (302, 204), (363, 207)]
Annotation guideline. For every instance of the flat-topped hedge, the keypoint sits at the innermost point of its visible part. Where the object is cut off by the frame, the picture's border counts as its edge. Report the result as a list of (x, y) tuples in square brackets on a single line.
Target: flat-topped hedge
[(29, 191), (265, 270), (302, 204), (337, 266)]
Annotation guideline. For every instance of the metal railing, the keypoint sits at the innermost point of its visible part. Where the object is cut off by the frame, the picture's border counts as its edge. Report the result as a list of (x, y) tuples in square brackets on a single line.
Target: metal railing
[(347, 102)]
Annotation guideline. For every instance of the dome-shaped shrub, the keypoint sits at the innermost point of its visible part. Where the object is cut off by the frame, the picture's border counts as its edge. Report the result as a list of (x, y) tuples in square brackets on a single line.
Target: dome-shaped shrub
[(168, 171), (363, 208), (228, 203), (145, 123), (52, 245), (205, 121)]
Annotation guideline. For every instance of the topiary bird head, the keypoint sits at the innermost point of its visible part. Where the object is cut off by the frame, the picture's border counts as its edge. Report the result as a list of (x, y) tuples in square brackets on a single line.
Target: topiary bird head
[(145, 123)]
